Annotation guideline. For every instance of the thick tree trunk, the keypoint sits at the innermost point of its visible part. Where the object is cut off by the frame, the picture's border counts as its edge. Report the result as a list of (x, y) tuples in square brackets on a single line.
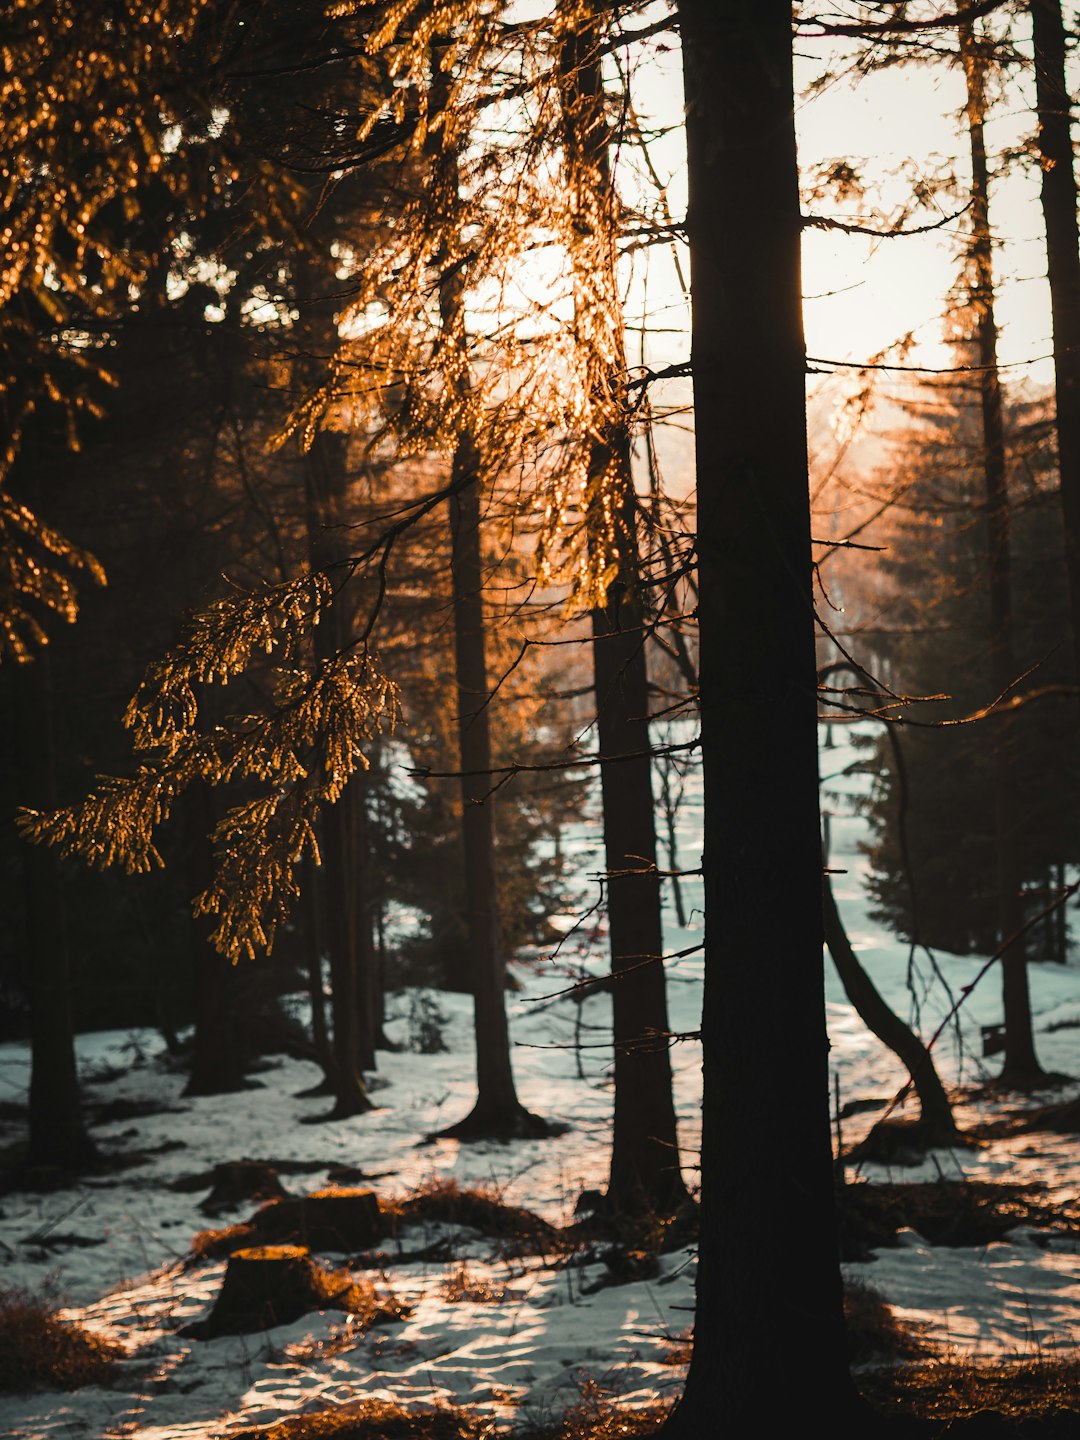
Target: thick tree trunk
[(58, 1137), (766, 1151), (1021, 1066), (645, 1170), (937, 1126), (1063, 267)]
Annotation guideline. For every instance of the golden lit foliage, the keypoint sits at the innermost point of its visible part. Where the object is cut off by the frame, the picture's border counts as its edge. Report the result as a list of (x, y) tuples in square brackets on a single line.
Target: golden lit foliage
[(80, 108), (301, 748), (490, 311), (110, 145), (36, 574)]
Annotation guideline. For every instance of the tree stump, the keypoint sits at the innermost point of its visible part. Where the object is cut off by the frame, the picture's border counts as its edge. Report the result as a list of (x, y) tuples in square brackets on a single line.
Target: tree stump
[(337, 1218), (238, 1181), (263, 1287)]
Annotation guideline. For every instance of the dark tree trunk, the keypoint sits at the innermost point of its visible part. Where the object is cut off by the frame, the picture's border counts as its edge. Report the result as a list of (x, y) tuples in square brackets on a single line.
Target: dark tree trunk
[(645, 1170), (766, 1149), (497, 1112), (1021, 1067), (325, 476), (936, 1123), (369, 1008), (1063, 266), (217, 1066), (58, 1137), (313, 957), (350, 1096)]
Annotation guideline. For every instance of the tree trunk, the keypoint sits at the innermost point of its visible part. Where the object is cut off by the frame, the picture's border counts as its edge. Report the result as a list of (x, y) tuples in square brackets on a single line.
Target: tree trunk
[(58, 1137), (497, 1111), (766, 1149), (1063, 267), (369, 1008), (645, 1171), (936, 1123), (1021, 1067), (313, 956), (325, 477), (216, 1063)]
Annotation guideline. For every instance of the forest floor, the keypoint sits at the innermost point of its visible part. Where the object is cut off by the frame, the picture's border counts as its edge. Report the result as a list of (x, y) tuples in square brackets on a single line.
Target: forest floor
[(466, 1313)]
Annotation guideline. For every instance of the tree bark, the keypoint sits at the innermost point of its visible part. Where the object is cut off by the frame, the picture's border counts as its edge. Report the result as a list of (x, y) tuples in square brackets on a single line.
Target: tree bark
[(58, 1136), (1021, 1067), (766, 1150), (325, 476), (313, 957), (645, 1171), (1054, 105), (498, 1111), (217, 1066)]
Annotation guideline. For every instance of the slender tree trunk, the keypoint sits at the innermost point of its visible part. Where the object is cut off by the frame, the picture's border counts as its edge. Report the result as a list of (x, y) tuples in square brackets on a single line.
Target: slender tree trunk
[(1063, 267), (324, 476), (313, 957), (497, 1109), (645, 1171), (216, 1063), (368, 1012), (350, 1096), (58, 1137), (1021, 1066), (497, 1112), (936, 1123), (766, 1151)]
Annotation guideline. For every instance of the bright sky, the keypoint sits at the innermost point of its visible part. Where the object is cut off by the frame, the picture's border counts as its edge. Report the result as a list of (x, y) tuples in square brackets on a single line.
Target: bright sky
[(896, 126)]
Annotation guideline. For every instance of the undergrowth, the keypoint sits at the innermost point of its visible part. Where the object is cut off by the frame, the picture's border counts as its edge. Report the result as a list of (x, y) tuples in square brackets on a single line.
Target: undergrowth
[(39, 1350), (481, 1209), (1035, 1388), (462, 1285), (376, 1420)]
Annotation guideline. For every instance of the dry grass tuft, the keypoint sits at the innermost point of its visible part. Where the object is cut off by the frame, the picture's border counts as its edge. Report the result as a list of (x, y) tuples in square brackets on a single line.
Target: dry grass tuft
[(461, 1285), (480, 1209), (598, 1418), (942, 1390), (678, 1349), (365, 1305), (39, 1350), (943, 1212), (376, 1420)]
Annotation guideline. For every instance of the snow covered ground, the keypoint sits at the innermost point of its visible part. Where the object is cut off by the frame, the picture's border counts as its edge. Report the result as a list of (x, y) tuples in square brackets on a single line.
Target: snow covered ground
[(110, 1249)]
